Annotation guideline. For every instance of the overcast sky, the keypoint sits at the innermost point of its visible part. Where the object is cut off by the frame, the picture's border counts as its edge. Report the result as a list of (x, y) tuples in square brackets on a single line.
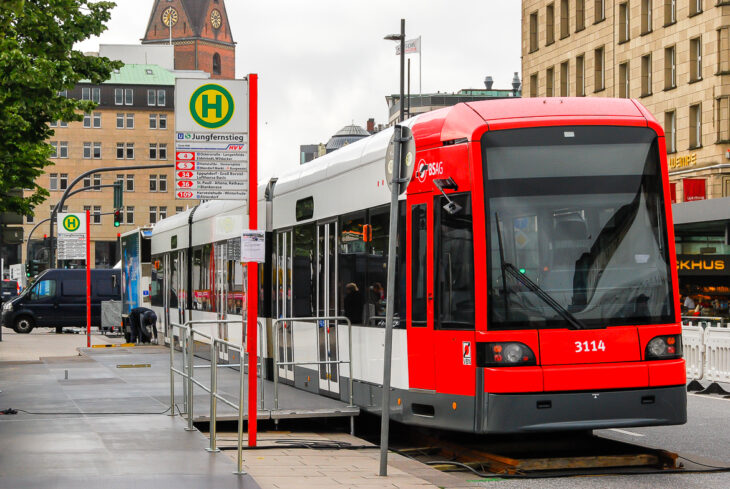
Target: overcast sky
[(324, 64)]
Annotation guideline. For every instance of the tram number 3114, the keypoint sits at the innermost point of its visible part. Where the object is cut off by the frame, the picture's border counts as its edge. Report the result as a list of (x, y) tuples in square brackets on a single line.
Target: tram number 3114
[(584, 346)]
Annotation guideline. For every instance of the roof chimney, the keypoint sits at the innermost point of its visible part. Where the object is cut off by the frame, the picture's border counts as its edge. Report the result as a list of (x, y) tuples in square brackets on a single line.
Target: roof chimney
[(371, 125), (488, 82)]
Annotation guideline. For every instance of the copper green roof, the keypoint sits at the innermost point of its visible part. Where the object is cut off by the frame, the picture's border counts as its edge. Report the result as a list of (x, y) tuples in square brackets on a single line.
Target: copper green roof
[(140, 75)]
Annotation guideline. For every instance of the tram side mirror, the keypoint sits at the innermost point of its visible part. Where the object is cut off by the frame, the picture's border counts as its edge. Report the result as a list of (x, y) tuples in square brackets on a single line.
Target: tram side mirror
[(448, 183), (452, 207)]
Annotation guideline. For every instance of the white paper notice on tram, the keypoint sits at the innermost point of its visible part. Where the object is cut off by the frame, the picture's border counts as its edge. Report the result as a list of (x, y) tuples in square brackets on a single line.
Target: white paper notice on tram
[(253, 246)]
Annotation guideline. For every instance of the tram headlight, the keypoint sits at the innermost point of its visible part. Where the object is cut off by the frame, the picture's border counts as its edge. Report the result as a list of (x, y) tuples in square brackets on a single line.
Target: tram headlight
[(664, 347), (504, 354)]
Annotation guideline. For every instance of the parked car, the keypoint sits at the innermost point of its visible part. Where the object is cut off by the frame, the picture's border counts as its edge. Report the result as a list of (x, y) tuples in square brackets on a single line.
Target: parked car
[(9, 289), (57, 299)]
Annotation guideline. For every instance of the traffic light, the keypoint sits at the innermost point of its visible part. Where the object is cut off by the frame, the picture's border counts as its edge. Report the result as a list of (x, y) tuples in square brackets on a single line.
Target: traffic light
[(118, 195), (27, 270), (117, 217)]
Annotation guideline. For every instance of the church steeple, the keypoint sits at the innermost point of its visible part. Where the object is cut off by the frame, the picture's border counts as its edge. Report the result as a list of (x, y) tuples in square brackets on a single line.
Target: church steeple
[(200, 32)]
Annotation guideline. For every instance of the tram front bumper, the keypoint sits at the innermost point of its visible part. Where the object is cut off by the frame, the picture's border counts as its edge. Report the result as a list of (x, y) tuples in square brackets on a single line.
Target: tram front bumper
[(529, 413)]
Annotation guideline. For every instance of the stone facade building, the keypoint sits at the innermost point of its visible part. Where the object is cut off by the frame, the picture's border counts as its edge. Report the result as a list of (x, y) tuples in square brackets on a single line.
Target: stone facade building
[(671, 55)]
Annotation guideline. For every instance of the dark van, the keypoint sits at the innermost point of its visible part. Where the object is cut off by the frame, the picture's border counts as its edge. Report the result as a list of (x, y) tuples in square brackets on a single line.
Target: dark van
[(58, 298)]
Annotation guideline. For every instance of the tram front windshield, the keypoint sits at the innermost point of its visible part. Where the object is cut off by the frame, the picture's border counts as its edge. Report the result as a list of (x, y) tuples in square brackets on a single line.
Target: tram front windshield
[(577, 228)]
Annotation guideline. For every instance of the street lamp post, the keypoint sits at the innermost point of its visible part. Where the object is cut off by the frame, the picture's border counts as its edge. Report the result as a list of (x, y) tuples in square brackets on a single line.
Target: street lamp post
[(392, 240)]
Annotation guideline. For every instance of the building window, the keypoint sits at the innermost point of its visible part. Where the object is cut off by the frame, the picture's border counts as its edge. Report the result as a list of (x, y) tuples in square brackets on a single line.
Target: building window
[(178, 210), (163, 121), (216, 64), (97, 151), (130, 214), (96, 218), (130, 183), (533, 32), (63, 149), (533, 85), (162, 151), (162, 214), (128, 96), (549, 79), (130, 121), (564, 79), (86, 93), (599, 70), (120, 121), (695, 126), (153, 121), (723, 50), (87, 208), (580, 15), (646, 16), (125, 151), (118, 96), (53, 185), (87, 151), (695, 7), (670, 12), (670, 131), (550, 24), (97, 180), (87, 120), (87, 182), (151, 97), (162, 184), (580, 76), (600, 11), (53, 124), (646, 75), (723, 119), (29, 220), (63, 123), (695, 59), (161, 102), (153, 151), (623, 80), (97, 119), (153, 214), (623, 22), (63, 181), (153, 183), (564, 19), (130, 151), (54, 150), (96, 95), (670, 68), (120, 179)]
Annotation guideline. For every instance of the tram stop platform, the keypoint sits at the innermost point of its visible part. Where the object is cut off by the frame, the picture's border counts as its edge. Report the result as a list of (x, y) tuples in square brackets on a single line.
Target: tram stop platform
[(101, 420)]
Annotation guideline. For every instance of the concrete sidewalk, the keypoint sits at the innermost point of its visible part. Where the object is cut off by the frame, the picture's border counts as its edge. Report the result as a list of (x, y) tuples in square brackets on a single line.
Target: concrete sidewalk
[(44, 342)]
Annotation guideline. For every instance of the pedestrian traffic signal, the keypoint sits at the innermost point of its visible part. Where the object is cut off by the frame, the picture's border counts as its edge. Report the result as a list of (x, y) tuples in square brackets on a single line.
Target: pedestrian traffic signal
[(117, 217)]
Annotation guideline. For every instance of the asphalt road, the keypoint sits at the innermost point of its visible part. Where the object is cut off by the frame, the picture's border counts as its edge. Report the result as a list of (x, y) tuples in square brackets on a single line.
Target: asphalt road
[(704, 439)]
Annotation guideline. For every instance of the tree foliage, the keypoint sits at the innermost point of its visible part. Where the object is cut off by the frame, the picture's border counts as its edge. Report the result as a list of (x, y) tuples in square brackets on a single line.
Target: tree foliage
[(37, 61)]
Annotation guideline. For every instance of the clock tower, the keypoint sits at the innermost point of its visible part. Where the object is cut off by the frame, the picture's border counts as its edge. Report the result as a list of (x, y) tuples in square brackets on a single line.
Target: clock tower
[(200, 32)]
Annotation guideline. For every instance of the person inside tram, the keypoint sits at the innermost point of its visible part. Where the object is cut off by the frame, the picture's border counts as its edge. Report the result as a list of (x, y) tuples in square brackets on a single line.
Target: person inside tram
[(353, 303)]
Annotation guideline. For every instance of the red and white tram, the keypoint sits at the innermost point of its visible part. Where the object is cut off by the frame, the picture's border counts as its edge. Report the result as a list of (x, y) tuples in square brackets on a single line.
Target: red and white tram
[(536, 281)]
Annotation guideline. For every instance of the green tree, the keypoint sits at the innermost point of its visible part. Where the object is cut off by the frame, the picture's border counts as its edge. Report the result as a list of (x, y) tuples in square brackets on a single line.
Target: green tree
[(37, 61)]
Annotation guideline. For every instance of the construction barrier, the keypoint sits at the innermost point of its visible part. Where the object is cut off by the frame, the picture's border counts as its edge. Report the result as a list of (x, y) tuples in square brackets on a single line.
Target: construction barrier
[(717, 354), (694, 351)]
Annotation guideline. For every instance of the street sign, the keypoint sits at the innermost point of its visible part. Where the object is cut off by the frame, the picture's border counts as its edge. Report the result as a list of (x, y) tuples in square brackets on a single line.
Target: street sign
[(71, 236), (407, 157), (211, 139)]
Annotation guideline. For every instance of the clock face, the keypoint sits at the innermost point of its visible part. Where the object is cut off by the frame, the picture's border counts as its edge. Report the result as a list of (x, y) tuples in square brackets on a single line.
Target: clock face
[(169, 16), (215, 19)]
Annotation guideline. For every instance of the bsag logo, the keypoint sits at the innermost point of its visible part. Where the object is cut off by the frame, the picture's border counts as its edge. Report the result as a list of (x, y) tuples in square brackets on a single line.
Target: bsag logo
[(429, 169), (211, 106)]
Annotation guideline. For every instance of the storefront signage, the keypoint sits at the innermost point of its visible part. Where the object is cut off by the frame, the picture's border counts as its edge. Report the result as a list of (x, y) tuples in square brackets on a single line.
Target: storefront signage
[(682, 161), (703, 264)]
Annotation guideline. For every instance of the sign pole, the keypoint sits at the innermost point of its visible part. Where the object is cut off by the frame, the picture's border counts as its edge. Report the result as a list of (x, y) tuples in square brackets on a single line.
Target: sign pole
[(252, 275), (88, 281)]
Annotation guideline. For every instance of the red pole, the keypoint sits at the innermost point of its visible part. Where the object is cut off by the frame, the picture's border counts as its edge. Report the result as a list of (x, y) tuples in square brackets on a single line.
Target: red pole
[(252, 295), (88, 280)]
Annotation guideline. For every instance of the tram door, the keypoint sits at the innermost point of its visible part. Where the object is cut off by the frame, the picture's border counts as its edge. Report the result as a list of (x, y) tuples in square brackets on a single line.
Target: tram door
[(166, 295), (326, 290), (220, 290), (419, 252), (284, 303)]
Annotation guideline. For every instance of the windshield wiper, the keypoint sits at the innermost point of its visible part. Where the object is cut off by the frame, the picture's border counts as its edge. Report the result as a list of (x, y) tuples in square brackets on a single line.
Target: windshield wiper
[(574, 322)]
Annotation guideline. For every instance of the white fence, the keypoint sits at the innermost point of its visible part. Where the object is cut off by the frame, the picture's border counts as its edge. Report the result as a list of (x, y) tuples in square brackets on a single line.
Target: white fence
[(706, 348)]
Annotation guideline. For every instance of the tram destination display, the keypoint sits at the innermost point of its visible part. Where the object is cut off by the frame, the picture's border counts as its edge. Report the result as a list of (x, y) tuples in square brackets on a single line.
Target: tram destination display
[(211, 140)]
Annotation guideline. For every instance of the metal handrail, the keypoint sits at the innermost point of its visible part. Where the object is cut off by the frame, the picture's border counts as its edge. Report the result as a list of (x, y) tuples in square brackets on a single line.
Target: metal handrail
[(277, 363), (188, 346)]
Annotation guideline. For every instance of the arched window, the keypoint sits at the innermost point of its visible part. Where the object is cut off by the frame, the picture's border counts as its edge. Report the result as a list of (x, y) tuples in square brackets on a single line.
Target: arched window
[(216, 64)]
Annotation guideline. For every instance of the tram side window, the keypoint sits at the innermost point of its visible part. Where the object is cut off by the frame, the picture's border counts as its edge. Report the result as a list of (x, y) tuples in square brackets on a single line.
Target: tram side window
[(303, 279), (352, 267), (203, 278), (157, 283), (454, 263), (235, 287)]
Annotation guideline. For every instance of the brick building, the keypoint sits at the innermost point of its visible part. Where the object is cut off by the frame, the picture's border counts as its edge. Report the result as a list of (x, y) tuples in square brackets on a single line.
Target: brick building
[(673, 56), (200, 32)]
